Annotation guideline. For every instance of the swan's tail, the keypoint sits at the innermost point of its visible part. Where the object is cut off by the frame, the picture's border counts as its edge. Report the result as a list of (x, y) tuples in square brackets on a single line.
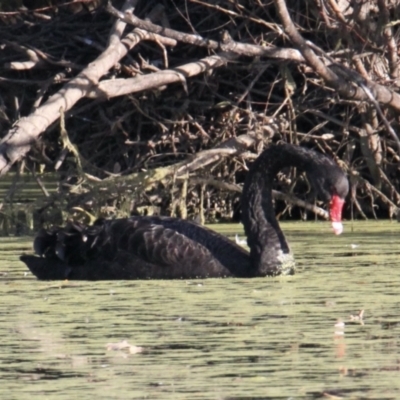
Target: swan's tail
[(46, 268)]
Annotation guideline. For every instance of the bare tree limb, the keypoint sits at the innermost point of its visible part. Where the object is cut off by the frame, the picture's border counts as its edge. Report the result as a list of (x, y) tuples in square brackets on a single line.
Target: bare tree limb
[(119, 87), (347, 88), (27, 130), (381, 93), (389, 38), (197, 40)]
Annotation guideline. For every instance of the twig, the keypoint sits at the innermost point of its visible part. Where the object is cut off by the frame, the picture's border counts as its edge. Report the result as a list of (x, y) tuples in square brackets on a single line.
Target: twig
[(231, 187)]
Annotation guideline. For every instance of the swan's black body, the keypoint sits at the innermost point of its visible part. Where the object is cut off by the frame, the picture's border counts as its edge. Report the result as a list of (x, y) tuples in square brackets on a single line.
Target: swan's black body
[(169, 248)]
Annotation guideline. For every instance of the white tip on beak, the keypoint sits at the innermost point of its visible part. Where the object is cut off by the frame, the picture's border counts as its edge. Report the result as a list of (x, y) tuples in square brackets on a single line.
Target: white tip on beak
[(337, 228)]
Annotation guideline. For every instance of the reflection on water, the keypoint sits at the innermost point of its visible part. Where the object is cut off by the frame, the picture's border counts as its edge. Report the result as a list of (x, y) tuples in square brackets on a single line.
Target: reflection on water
[(299, 337)]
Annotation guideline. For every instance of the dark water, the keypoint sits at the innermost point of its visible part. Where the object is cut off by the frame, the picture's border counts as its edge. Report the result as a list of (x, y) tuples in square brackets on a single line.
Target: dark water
[(212, 339)]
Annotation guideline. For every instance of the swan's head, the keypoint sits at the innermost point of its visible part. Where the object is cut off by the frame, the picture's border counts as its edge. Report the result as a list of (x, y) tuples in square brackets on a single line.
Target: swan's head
[(332, 186)]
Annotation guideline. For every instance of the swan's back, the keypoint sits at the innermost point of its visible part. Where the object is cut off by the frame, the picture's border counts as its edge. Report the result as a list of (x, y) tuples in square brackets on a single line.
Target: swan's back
[(136, 248)]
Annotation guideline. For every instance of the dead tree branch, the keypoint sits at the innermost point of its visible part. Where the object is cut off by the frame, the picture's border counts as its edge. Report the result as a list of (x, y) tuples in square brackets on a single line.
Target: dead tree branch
[(27, 130)]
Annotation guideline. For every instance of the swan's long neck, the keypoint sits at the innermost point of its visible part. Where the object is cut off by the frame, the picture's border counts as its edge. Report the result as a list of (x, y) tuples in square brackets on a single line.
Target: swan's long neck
[(269, 250)]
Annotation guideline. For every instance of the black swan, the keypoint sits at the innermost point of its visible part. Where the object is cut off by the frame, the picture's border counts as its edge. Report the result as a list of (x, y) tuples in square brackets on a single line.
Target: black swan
[(170, 248)]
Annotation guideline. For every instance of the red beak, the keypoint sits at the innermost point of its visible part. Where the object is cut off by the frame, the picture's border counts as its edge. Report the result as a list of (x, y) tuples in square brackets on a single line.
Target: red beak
[(335, 213)]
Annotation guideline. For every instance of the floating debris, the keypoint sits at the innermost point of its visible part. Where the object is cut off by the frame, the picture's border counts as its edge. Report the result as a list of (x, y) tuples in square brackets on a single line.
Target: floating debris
[(339, 328), (124, 345), (358, 318), (240, 242)]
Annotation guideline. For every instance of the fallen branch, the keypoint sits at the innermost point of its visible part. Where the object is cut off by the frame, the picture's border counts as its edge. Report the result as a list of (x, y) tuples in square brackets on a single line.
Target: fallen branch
[(27, 130), (227, 45), (355, 91), (119, 87), (304, 54)]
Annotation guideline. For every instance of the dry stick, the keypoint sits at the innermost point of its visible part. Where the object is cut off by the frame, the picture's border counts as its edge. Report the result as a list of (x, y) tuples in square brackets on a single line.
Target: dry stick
[(232, 187), (346, 73), (378, 108), (57, 78), (251, 85), (17, 142), (234, 14), (40, 183), (327, 117), (197, 40), (301, 203), (372, 188), (381, 93), (118, 87), (207, 157), (145, 180), (23, 10), (390, 184), (27, 130), (34, 59), (329, 76), (346, 25), (357, 204), (390, 40), (305, 109)]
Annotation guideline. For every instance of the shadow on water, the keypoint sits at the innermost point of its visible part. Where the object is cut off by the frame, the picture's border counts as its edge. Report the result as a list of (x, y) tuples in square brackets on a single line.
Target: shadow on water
[(298, 337)]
